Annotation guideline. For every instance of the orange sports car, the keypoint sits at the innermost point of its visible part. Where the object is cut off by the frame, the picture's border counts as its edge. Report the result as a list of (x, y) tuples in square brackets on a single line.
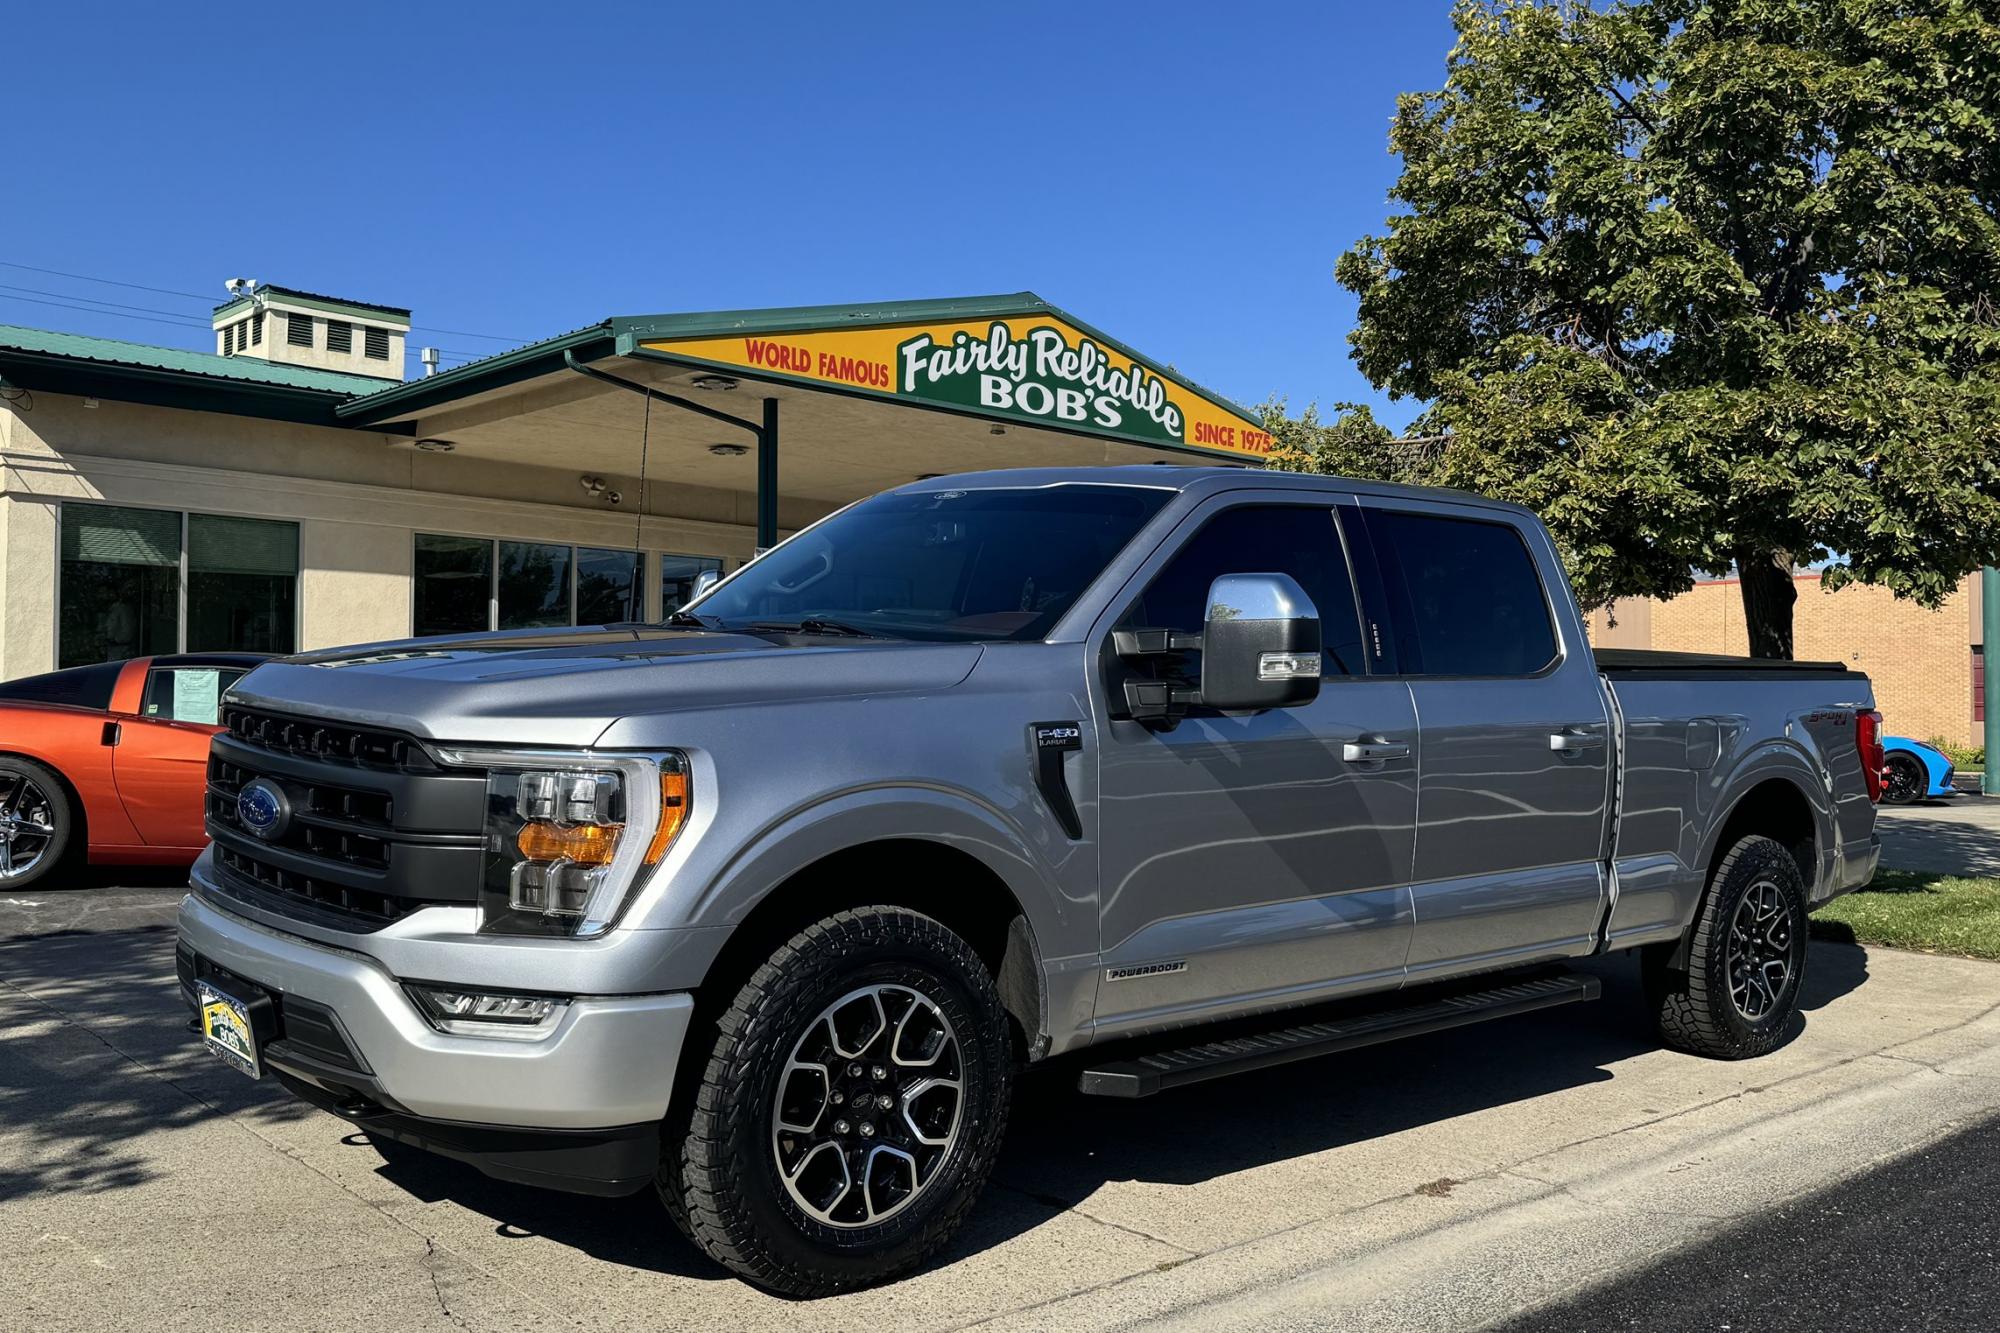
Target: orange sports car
[(109, 763)]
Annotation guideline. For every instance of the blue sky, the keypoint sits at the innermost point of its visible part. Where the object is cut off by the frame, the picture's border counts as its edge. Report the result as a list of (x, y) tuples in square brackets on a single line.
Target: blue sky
[(1182, 176)]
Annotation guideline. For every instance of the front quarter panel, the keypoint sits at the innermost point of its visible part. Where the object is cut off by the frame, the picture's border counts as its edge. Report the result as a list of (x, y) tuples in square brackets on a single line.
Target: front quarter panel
[(779, 787)]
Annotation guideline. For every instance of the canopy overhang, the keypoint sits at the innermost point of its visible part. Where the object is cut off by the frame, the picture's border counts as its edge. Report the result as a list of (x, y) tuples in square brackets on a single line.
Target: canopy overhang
[(827, 404)]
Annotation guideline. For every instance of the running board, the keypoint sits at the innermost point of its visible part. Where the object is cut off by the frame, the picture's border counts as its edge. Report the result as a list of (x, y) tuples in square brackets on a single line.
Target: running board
[(1144, 1075)]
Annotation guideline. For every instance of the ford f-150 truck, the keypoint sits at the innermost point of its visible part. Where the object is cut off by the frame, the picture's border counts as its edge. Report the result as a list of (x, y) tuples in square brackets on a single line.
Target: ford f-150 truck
[(1153, 774)]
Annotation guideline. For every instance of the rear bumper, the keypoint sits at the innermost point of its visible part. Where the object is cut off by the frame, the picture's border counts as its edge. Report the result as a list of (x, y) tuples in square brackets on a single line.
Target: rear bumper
[(582, 1104)]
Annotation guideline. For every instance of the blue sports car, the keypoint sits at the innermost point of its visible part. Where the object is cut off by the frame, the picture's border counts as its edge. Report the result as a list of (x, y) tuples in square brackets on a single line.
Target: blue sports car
[(1914, 771)]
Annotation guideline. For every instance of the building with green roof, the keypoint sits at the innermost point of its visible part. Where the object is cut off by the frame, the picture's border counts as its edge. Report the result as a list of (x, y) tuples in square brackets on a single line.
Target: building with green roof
[(290, 490)]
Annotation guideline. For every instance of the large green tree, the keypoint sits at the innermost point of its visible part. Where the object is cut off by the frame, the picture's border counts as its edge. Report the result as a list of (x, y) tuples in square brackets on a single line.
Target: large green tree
[(1710, 284)]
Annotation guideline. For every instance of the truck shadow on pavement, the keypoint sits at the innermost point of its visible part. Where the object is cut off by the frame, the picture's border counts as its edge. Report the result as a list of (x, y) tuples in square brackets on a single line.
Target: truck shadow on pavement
[(1062, 1147)]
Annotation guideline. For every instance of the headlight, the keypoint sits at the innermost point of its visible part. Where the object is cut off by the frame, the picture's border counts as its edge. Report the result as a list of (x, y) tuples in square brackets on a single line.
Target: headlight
[(568, 838)]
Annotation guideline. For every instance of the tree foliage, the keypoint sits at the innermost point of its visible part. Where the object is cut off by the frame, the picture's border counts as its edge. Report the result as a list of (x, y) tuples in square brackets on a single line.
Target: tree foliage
[(1707, 283)]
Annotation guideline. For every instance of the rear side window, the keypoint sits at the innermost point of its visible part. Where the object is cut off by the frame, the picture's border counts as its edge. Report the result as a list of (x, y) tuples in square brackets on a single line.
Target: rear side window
[(1299, 540), (81, 687), (1464, 596), (187, 694)]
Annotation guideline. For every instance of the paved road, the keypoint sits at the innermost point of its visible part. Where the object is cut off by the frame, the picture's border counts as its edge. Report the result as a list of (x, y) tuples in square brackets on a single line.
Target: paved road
[(1958, 835), (1442, 1183), (1915, 1244)]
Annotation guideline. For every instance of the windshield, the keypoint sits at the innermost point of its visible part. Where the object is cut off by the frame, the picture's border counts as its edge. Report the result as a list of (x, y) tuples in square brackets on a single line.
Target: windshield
[(950, 565)]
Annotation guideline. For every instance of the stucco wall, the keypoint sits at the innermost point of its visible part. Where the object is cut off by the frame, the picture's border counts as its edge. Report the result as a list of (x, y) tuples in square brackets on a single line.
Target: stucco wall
[(359, 500)]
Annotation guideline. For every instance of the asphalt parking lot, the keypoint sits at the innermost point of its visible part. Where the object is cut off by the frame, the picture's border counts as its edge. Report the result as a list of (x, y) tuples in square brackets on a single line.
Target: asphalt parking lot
[(1512, 1172)]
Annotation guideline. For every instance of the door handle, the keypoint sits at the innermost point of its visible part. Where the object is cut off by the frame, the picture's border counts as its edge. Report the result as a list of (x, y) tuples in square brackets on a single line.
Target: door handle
[(1572, 739), (1373, 750)]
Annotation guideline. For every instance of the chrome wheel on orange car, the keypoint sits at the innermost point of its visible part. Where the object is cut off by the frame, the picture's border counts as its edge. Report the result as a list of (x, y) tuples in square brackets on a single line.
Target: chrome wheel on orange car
[(34, 822)]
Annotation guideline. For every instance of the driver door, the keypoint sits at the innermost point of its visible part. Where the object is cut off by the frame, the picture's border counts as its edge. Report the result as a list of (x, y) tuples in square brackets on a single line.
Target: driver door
[(1246, 861), (160, 764)]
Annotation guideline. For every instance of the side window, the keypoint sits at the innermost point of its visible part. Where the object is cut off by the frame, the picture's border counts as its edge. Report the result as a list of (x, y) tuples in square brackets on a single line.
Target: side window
[(1464, 595), (186, 694), (1299, 540)]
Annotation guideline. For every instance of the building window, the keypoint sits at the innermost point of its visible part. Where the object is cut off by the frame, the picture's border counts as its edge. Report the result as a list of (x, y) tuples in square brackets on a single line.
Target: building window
[(469, 584), (375, 344), (610, 586), (298, 330), (122, 592), (1978, 682), (242, 585), (677, 575), (257, 329), (339, 336), (454, 585), (533, 585), (242, 335)]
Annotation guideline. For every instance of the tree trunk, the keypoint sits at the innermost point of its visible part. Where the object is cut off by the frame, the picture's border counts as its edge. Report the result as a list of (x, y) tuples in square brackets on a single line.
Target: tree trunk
[(1768, 594)]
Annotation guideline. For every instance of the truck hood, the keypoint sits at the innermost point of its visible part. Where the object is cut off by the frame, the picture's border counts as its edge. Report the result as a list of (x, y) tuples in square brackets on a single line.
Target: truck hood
[(565, 687)]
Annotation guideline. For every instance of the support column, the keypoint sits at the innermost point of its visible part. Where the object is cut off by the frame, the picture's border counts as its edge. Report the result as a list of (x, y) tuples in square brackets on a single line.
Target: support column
[(1989, 608), (767, 478)]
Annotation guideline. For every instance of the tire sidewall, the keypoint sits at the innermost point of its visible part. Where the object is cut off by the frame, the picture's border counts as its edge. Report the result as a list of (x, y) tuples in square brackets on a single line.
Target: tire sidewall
[(757, 1054), (1761, 861), (1919, 790), (60, 815)]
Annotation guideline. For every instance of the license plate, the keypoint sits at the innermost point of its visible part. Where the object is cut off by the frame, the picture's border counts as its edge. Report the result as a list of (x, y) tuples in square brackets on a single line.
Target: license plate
[(226, 1029)]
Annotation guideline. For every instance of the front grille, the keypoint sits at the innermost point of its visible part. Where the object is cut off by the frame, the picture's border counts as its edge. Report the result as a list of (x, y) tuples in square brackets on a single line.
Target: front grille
[(364, 747), (377, 826)]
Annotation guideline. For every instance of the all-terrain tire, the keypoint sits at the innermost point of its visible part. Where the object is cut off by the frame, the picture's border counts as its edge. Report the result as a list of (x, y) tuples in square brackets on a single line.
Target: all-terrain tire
[(30, 791), (1701, 1008), (723, 1177)]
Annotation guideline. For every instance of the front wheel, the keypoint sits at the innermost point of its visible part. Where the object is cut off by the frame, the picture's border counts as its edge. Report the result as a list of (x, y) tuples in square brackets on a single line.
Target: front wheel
[(1905, 780), (851, 1109), (1746, 958)]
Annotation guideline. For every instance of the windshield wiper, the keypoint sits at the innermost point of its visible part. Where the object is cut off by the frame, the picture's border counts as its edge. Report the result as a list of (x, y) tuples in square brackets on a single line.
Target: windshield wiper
[(811, 625), (694, 619)]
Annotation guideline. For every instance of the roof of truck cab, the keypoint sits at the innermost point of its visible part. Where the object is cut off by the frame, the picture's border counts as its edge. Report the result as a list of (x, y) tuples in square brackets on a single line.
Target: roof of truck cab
[(1167, 476)]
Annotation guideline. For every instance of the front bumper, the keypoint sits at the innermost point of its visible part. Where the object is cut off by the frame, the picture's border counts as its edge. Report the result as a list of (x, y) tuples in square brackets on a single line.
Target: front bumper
[(602, 1075)]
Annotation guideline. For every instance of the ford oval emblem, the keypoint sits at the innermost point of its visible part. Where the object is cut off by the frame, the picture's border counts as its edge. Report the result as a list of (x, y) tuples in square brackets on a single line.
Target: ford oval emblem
[(262, 808)]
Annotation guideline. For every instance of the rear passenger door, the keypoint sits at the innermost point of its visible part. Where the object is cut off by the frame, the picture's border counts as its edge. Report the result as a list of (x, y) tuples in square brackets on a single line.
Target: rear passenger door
[(1514, 730), (1246, 859)]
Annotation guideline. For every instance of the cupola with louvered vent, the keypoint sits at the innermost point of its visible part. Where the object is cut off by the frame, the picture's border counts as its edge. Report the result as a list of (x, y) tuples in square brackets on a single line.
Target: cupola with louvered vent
[(295, 328)]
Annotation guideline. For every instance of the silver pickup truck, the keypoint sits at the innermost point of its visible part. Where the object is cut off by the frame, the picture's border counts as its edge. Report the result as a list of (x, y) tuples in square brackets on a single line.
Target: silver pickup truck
[(1150, 774)]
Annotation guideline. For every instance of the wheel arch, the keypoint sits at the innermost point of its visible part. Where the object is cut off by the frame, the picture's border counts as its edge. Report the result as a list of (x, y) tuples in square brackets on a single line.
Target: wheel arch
[(79, 842), (940, 879), (1775, 805)]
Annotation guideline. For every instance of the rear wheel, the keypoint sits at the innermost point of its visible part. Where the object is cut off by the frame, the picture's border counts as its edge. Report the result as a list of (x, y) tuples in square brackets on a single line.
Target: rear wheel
[(851, 1109), (1746, 958), (35, 822), (1906, 781)]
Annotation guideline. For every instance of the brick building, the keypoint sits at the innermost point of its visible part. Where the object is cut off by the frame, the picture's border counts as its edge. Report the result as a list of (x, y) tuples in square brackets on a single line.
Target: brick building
[(1926, 665)]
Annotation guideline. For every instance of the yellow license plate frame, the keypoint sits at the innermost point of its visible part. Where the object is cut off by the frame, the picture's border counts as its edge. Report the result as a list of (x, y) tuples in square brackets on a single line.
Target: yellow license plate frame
[(227, 1031)]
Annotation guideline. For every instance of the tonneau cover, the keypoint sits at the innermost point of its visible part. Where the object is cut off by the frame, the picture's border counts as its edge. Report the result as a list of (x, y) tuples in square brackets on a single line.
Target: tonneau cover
[(1658, 664)]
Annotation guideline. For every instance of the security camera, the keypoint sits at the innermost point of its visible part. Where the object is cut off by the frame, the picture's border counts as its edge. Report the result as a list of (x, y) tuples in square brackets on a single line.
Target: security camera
[(612, 497)]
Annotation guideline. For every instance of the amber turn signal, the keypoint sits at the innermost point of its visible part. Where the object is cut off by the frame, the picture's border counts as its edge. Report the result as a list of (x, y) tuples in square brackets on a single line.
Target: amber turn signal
[(673, 813), (583, 844)]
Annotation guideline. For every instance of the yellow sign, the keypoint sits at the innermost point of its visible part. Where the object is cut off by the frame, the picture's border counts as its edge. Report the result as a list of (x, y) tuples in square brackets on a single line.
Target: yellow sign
[(1032, 368)]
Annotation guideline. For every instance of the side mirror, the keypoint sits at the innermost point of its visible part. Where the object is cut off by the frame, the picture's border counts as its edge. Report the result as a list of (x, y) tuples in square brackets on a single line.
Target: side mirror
[(703, 581), (1260, 644)]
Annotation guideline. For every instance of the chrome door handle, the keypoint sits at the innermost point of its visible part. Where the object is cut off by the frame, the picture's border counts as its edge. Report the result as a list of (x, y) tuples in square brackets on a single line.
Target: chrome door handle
[(1570, 740), (1373, 750)]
